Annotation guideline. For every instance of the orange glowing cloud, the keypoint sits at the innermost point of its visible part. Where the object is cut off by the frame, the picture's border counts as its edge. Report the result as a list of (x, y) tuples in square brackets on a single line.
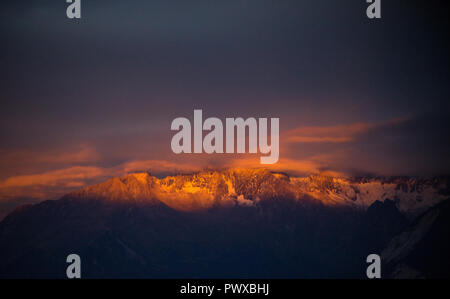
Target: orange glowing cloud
[(332, 134), (313, 165), (55, 183)]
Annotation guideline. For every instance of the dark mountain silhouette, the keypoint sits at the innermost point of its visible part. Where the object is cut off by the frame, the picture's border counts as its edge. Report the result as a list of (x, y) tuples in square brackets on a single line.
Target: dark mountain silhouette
[(232, 224), (421, 251)]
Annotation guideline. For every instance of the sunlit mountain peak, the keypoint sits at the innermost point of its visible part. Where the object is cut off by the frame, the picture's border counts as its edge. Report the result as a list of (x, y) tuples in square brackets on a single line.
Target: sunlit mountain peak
[(248, 186)]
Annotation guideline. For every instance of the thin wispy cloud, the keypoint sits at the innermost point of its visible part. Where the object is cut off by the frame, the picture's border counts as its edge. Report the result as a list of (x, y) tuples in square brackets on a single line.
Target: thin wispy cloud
[(333, 134)]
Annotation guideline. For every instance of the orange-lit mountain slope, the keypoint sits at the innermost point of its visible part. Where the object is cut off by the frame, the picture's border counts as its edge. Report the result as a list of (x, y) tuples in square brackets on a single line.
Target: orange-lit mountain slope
[(246, 187)]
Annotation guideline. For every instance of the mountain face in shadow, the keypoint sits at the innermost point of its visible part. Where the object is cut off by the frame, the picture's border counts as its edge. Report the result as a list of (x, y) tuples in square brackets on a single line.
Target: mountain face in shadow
[(421, 251), (239, 223)]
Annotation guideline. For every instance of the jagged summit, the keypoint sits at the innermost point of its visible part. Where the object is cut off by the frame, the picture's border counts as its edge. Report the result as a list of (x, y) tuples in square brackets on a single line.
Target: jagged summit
[(246, 187)]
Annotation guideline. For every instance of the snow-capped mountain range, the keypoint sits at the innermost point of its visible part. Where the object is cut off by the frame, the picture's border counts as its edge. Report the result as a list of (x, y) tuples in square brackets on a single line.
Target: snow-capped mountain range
[(246, 187)]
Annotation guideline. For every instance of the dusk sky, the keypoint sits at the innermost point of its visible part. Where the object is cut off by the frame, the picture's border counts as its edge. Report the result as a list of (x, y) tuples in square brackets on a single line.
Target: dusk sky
[(85, 100)]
